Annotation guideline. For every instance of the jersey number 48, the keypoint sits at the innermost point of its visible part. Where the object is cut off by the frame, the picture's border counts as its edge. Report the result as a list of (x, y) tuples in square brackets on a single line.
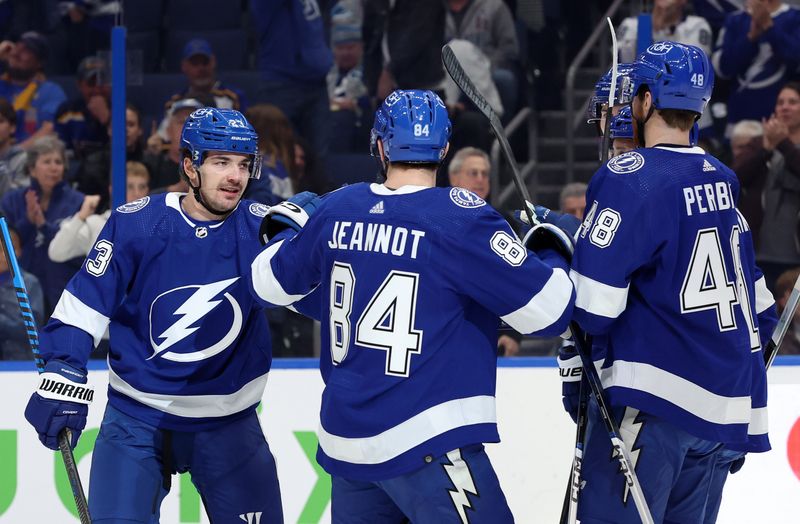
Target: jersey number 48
[(706, 285)]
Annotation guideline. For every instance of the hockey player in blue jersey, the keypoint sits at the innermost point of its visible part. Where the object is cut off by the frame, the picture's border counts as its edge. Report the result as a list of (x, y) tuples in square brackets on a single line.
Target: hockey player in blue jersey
[(190, 349), (415, 279), (664, 271)]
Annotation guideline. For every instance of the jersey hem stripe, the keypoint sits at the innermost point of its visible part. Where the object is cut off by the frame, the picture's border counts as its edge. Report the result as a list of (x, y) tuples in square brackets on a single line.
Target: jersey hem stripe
[(410, 433)]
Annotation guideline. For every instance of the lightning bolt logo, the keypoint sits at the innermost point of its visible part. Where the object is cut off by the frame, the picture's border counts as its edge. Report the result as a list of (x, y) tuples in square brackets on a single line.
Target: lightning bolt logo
[(461, 477), (629, 430), (197, 306)]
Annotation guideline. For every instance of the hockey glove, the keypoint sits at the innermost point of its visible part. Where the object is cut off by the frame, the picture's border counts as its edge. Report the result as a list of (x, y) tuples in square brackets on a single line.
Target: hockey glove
[(568, 223), (549, 236), (290, 214), (571, 371), (61, 401)]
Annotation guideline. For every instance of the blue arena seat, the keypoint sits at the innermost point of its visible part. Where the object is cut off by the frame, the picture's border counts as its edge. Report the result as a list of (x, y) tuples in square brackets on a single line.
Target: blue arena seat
[(199, 15), (350, 168), (142, 15), (229, 45), (246, 80)]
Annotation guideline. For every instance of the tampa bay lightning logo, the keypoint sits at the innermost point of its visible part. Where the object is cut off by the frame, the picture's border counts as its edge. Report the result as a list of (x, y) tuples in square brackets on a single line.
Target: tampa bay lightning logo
[(660, 48), (192, 323), (626, 163), (465, 198), (259, 210), (133, 207)]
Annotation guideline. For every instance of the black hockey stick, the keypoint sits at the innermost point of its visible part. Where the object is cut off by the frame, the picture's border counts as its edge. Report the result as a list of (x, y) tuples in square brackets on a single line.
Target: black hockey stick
[(459, 76), (774, 343), (33, 341)]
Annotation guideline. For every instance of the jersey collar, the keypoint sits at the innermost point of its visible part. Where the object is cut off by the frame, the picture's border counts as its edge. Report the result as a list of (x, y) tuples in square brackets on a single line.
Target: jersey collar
[(381, 189), (690, 150), (173, 200)]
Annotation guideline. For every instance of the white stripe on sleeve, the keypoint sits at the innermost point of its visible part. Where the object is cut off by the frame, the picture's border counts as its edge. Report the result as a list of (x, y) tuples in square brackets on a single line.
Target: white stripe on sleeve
[(264, 282), (72, 312), (545, 307), (764, 298), (597, 298)]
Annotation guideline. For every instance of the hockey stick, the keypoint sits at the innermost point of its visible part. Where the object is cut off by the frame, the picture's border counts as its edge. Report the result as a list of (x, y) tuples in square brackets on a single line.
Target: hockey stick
[(570, 516), (606, 140), (33, 341), (774, 343), (460, 77), (462, 80)]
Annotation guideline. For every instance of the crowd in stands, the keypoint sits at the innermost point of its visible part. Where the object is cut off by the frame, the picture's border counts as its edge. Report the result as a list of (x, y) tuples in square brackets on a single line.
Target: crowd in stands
[(311, 73)]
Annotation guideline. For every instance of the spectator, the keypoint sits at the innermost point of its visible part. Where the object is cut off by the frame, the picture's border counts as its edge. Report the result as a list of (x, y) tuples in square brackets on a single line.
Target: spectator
[(276, 145), (306, 168), (402, 44), (294, 59), (759, 50), (750, 165), (37, 211), (94, 174), (34, 98), (82, 123), (199, 66), (12, 157), (469, 168), (780, 157), (572, 200), (350, 104), (490, 26), (783, 288), (13, 334), (670, 22), (162, 160), (715, 11), (77, 234)]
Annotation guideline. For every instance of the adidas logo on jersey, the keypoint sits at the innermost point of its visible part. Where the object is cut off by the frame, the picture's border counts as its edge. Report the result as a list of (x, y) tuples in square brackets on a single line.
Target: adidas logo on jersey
[(377, 209), (707, 166)]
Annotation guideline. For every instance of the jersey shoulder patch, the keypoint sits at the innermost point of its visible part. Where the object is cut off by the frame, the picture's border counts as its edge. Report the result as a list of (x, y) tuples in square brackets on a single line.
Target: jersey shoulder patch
[(133, 207), (465, 198), (625, 163), (258, 209)]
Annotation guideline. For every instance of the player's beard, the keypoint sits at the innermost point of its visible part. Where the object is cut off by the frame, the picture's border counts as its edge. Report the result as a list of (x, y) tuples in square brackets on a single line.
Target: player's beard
[(217, 199)]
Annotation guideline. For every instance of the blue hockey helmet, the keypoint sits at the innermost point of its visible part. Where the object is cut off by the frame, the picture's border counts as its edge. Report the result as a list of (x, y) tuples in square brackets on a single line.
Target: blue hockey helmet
[(622, 124), (679, 76), (413, 126), (226, 130), (602, 90)]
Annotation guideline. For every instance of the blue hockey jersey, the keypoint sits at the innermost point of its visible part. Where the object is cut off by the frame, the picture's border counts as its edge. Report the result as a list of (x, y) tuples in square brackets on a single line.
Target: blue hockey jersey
[(189, 347), (664, 268), (757, 69), (413, 284)]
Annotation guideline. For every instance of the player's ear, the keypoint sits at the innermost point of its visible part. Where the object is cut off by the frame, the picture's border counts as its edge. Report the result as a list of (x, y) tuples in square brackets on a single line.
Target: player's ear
[(381, 154), (189, 170)]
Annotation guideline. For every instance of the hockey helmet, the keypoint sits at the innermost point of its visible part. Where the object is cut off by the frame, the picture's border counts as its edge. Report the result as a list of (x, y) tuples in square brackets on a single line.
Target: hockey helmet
[(622, 124), (679, 76), (602, 90), (413, 126), (226, 130)]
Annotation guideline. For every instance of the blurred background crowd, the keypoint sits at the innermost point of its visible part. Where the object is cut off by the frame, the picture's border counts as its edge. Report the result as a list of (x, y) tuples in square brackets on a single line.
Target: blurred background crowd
[(308, 75)]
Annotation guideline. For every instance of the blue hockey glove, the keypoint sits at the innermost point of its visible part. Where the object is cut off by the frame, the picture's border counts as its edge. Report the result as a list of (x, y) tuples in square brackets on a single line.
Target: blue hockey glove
[(290, 214), (571, 371), (549, 236), (61, 401)]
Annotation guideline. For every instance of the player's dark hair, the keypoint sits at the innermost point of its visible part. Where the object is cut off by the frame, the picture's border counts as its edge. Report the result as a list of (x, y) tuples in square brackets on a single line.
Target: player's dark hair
[(682, 119)]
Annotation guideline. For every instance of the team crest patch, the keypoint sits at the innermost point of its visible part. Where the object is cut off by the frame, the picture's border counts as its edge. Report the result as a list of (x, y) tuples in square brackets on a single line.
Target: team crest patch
[(626, 163), (465, 198), (133, 207), (259, 210)]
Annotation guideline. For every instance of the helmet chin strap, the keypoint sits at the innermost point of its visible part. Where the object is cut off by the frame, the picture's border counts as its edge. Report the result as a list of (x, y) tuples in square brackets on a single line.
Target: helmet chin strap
[(199, 196)]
